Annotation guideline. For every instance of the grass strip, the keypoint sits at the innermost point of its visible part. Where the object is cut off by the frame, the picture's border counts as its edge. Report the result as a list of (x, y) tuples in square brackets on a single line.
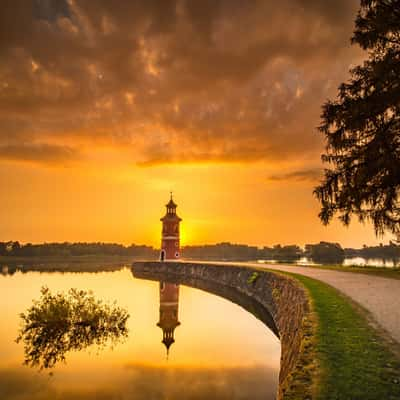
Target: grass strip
[(356, 362)]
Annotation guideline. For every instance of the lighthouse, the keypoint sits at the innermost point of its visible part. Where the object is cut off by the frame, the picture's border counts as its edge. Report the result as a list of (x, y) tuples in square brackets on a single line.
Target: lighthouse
[(169, 292), (170, 246)]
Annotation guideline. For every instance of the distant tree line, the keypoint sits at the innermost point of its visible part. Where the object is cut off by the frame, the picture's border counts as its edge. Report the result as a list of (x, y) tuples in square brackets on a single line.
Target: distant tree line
[(12, 248), (323, 252), (241, 252), (220, 251), (390, 252)]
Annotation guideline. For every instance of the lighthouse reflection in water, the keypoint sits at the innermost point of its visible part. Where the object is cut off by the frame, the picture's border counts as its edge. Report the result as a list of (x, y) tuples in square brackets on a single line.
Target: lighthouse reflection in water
[(169, 304)]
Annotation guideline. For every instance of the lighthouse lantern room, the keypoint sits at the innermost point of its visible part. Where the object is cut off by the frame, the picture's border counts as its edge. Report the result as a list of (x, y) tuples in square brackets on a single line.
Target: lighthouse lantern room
[(170, 246)]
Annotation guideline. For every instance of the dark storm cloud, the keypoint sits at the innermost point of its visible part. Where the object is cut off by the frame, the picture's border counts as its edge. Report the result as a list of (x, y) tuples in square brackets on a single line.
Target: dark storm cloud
[(40, 152), (170, 81), (311, 175), (50, 10)]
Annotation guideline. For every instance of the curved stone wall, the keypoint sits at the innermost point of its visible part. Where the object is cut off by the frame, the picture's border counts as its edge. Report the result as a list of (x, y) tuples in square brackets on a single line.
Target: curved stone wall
[(277, 300)]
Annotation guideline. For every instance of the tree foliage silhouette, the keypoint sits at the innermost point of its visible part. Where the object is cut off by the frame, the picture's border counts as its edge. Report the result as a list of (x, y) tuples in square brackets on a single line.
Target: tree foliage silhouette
[(362, 126), (59, 323)]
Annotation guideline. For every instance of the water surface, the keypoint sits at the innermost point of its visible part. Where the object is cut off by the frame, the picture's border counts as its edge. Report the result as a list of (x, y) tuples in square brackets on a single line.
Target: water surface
[(218, 350)]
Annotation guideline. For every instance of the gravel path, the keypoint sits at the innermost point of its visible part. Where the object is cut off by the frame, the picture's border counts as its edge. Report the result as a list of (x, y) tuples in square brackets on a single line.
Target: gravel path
[(380, 296)]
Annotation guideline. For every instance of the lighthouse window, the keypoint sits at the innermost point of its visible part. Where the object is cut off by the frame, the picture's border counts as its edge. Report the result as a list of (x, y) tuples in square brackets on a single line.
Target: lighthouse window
[(176, 244), (176, 254)]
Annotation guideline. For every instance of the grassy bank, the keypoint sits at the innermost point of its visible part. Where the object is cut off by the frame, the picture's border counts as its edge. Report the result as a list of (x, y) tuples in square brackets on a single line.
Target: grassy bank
[(356, 362)]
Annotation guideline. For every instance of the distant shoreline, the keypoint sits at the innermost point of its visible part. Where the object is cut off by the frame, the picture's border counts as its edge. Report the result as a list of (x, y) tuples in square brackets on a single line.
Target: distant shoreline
[(66, 259), (116, 259)]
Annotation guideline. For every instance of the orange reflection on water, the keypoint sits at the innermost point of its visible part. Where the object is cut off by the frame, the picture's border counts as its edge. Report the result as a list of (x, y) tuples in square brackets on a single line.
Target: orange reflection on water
[(214, 338)]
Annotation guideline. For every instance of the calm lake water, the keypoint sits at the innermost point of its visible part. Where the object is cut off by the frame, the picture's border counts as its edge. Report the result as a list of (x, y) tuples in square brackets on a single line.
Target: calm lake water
[(350, 261), (220, 350)]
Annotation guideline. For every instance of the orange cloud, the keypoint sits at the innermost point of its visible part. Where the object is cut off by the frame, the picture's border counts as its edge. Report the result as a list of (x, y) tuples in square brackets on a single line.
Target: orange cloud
[(179, 81)]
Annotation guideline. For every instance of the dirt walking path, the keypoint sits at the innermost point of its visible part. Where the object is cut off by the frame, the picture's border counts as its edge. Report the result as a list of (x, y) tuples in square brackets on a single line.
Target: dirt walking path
[(380, 296)]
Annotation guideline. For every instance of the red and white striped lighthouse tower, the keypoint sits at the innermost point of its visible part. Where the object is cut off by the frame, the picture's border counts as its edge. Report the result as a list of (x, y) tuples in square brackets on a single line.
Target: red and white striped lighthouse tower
[(170, 246)]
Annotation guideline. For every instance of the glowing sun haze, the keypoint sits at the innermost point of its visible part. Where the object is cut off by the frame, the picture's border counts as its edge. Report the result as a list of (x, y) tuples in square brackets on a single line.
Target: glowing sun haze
[(107, 106)]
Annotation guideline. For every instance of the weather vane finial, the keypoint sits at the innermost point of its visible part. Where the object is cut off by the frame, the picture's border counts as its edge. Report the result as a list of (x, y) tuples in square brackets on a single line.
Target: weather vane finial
[(171, 195)]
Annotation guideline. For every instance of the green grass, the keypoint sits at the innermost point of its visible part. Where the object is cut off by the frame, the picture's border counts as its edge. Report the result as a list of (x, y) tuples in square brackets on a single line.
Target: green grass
[(253, 278), (356, 363), (354, 360)]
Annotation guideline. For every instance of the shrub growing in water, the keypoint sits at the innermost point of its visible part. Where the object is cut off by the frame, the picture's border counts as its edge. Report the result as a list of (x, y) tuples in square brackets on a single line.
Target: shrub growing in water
[(58, 323)]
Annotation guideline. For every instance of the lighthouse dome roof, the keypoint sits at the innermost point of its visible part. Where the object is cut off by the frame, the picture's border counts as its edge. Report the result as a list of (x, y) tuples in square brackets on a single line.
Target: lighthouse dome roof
[(171, 203)]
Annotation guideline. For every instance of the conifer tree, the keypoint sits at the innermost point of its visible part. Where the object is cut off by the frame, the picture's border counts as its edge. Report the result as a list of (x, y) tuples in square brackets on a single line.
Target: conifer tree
[(362, 127)]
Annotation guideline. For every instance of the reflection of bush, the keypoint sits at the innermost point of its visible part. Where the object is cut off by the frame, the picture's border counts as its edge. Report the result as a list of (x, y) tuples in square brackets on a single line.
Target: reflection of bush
[(59, 323)]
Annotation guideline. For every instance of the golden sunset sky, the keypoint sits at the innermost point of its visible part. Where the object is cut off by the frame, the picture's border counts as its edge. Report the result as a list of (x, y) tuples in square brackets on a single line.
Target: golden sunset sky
[(106, 106)]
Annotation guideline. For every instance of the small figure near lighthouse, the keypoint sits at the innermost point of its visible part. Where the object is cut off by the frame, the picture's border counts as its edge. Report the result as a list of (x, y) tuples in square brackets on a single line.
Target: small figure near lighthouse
[(170, 246)]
